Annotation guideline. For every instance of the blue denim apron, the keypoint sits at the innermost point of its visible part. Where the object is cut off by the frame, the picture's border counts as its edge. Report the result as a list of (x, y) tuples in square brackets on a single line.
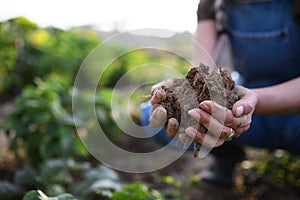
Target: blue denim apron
[(265, 42), (266, 49)]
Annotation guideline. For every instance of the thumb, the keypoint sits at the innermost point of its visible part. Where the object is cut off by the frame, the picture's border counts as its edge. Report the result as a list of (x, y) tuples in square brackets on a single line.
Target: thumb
[(246, 104), (238, 109)]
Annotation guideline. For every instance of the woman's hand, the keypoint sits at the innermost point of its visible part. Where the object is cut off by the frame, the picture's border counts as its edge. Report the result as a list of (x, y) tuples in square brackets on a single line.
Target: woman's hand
[(159, 114), (221, 122)]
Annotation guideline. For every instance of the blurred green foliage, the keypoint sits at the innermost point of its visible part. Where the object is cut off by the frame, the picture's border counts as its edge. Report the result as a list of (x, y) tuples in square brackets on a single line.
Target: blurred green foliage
[(41, 127), (269, 170), (131, 61), (135, 190), (12, 38), (59, 176), (33, 195), (38, 67), (28, 51)]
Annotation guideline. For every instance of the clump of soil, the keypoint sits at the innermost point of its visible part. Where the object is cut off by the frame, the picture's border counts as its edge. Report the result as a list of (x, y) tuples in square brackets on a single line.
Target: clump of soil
[(198, 85)]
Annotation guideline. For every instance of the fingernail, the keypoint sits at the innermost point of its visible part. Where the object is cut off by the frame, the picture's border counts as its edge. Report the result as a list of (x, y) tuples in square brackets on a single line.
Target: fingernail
[(157, 93), (160, 95), (204, 105), (190, 131), (158, 117), (239, 111), (172, 127), (193, 113)]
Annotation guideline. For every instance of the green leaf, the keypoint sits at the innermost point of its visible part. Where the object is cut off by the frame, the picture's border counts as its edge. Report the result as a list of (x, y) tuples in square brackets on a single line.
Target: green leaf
[(133, 191), (35, 195), (39, 195)]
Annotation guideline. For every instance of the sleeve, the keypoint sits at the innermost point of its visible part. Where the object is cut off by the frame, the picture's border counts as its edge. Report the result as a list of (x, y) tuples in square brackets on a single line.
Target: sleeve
[(205, 10), (296, 10)]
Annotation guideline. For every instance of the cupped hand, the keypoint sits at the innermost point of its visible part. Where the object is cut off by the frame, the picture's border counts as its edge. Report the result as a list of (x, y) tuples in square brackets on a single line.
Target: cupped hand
[(158, 116), (221, 122)]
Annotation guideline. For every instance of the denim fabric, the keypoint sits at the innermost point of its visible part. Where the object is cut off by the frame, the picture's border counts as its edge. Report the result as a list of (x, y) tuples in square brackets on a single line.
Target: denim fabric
[(265, 41), (266, 49)]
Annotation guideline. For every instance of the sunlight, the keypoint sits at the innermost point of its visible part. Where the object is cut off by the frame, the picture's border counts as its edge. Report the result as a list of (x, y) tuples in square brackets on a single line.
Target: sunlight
[(106, 14)]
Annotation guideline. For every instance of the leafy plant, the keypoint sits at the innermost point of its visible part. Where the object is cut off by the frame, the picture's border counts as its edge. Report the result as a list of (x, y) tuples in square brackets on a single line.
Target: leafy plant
[(279, 170), (27, 51), (136, 190), (58, 176), (40, 125), (12, 36), (37, 194)]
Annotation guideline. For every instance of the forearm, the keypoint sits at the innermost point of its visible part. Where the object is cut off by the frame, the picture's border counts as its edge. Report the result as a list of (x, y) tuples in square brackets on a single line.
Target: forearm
[(279, 99), (206, 37)]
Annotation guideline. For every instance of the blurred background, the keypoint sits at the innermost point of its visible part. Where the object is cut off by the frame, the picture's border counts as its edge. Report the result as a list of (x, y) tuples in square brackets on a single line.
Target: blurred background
[(42, 45), (106, 15)]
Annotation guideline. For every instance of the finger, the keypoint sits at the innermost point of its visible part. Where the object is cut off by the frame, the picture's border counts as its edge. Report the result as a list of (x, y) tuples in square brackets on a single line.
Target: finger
[(243, 107), (239, 125), (245, 120), (158, 117), (158, 96), (213, 125), (241, 130), (212, 142), (172, 127), (196, 135), (219, 112), (157, 86), (185, 139), (224, 115), (204, 139), (247, 102)]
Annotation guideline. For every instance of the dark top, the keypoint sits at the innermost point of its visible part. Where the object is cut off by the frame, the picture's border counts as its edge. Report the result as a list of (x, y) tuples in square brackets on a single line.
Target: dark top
[(205, 10), (208, 9), (265, 47)]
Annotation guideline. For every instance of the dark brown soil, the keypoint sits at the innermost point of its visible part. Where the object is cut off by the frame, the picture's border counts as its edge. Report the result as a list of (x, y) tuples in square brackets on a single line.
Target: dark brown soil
[(198, 85)]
